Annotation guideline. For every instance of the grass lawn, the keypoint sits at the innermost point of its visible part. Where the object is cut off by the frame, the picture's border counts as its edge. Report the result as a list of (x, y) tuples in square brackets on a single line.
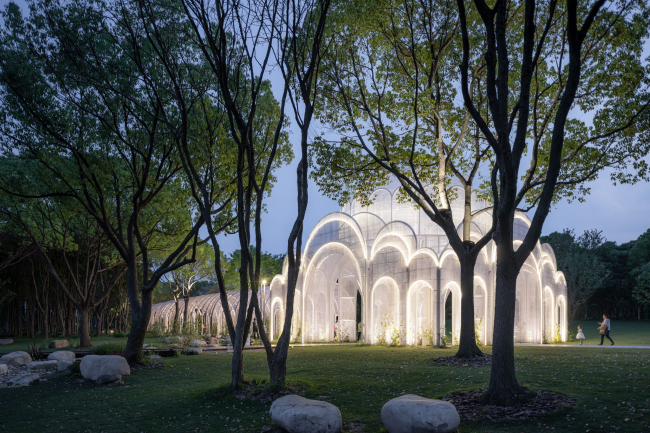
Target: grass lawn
[(612, 388), (624, 333), (21, 343)]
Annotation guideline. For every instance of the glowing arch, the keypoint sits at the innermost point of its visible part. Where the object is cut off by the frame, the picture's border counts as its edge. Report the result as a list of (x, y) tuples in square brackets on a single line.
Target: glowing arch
[(481, 283), (392, 284), (410, 314), (341, 217), (276, 301)]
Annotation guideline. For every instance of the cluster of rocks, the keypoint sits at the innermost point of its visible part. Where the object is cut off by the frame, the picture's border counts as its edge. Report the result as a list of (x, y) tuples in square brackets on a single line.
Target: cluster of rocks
[(18, 368), (405, 414), (198, 346)]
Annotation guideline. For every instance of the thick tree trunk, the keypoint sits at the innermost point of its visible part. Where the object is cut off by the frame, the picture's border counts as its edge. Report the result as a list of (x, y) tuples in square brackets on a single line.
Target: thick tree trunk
[(278, 371), (504, 389), (84, 328), (467, 348), (140, 304)]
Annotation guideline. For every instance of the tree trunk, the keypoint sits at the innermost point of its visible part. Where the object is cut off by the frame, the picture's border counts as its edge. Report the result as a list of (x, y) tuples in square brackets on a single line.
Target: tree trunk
[(467, 348), (186, 310), (140, 304), (278, 371), (177, 311), (100, 322), (504, 389), (84, 328)]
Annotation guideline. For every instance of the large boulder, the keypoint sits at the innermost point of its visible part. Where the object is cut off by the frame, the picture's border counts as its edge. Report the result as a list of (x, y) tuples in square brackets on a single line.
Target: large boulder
[(198, 343), (414, 414), (42, 365), (61, 355), (4, 369), (298, 414), (16, 359), (58, 344), (93, 366), (25, 379), (63, 365), (6, 341)]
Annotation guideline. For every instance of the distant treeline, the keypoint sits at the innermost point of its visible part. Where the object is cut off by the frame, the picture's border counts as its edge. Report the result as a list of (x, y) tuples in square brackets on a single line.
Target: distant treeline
[(604, 277)]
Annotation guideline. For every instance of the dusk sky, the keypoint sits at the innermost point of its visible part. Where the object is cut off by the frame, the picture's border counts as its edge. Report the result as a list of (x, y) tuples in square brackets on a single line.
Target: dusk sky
[(621, 211)]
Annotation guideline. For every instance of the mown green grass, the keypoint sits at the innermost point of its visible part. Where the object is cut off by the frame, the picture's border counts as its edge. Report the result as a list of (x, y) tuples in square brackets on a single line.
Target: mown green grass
[(612, 387), (21, 343), (624, 332)]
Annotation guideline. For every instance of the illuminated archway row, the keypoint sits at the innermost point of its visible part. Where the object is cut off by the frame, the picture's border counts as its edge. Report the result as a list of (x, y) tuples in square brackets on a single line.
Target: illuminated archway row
[(383, 247), (386, 259)]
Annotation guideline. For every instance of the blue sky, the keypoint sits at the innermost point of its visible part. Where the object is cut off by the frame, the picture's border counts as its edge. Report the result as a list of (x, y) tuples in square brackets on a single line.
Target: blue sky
[(621, 212)]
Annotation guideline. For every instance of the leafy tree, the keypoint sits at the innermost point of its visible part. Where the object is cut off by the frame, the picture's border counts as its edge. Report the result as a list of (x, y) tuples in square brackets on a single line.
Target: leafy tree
[(641, 291), (185, 278), (237, 40), (545, 63), (270, 266), (72, 100), (584, 272), (59, 227), (390, 94)]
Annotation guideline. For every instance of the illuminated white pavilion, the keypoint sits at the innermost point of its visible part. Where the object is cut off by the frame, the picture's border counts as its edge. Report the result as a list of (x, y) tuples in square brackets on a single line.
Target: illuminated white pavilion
[(389, 267)]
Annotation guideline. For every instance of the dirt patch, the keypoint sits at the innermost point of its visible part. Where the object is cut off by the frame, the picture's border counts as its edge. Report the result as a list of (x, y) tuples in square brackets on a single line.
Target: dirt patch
[(468, 404), (263, 392), (478, 361), (147, 366)]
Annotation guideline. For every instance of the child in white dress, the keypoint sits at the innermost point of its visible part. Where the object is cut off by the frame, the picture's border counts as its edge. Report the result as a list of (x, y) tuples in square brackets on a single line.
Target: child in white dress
[(580, 336)]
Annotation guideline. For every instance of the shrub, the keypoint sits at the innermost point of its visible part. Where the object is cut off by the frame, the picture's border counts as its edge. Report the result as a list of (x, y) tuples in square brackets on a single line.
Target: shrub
[(427, 336), (109, 349), (157, 329), (478, 331), (36, 352), (75, 368), (442, 337)]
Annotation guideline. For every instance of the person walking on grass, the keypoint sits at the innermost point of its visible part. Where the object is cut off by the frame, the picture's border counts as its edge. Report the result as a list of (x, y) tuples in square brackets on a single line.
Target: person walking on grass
[(604, 330), (580, 336)]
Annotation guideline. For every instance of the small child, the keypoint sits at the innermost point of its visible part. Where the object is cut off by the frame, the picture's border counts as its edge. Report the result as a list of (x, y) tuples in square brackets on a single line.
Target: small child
[(580, 336)]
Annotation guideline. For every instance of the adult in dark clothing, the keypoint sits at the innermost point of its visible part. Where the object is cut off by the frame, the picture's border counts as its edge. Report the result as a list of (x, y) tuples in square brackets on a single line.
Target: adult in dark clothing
[(604, 328)]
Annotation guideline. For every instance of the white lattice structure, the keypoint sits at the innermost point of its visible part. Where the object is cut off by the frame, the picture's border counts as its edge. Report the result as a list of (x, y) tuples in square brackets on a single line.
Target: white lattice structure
[(208, 307), (389, 267)]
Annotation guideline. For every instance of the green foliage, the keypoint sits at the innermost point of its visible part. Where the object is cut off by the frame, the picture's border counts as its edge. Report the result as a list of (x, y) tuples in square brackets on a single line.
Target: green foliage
[(157, 329), (109, 349), (270, 266), (579, 260), (641, 290), (388, 333), (75, 367), (478, 331), (427, 336)]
